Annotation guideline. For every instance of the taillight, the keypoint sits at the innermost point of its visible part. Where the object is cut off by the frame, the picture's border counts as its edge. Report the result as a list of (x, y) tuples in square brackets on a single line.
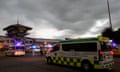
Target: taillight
[(100, 55), (111, 52), (100, 52)]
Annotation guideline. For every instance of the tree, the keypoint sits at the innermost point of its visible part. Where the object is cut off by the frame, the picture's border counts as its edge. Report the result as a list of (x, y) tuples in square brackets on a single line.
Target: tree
[(108, 32), (113, 35), (116, 37)]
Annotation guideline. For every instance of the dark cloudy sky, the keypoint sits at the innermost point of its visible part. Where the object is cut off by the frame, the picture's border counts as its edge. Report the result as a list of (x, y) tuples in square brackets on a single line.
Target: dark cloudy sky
[(60, 18)]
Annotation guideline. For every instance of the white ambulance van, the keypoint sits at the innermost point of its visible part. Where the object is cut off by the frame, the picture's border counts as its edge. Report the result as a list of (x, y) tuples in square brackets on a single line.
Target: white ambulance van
[(87, 54)]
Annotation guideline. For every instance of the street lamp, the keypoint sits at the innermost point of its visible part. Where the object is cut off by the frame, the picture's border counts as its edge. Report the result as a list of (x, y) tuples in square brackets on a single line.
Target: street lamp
[(109, 14)]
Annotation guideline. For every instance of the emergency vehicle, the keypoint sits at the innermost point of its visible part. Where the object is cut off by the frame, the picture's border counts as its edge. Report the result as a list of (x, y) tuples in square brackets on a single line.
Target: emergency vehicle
[(116, 50), (87, 54), (17, 49)]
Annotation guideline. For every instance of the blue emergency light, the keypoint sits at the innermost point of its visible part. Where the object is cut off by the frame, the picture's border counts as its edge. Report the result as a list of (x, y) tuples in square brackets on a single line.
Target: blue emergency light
[(114, 44)]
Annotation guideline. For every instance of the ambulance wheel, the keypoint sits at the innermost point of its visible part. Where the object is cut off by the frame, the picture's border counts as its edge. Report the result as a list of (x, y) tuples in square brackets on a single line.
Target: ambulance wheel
[(86, 66), (49, 60)]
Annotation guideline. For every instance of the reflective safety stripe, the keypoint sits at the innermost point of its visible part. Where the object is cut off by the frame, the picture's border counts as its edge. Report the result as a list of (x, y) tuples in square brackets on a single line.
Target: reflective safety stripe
[(74, 61), (98, 66), (78, 64), (92, 61), (67, 61), (107, 65)]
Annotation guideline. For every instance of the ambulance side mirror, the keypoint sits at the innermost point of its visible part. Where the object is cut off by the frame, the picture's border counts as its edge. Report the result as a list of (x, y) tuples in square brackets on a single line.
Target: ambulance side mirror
[(55, 48), (55, 54)]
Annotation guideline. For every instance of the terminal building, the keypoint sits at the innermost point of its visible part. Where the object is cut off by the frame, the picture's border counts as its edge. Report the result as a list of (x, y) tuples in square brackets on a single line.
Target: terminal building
[(7, 41), (19, 32)]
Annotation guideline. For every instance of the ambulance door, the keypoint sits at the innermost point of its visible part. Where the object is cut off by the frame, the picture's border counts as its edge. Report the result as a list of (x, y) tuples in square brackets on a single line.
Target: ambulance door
[(67, 50)]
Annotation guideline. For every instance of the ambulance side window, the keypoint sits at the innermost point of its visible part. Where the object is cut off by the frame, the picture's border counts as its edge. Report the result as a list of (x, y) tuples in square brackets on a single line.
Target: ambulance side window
[(86, 47)]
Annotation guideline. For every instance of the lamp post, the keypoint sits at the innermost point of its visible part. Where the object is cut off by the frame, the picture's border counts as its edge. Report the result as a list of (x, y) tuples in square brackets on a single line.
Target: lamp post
[(109, 14)]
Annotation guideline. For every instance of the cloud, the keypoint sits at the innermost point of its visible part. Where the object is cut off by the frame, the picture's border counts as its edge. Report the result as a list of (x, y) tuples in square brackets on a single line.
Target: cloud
[(48, 30), (60, 18), (95, 29), (51, 33), (99, 25)]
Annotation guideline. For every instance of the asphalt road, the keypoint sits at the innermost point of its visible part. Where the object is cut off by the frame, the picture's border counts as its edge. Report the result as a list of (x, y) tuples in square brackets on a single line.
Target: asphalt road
[(37, 64)]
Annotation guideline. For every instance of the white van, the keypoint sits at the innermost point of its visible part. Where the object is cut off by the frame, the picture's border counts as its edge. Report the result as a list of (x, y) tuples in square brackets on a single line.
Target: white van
[(15, 51), (88, 54)]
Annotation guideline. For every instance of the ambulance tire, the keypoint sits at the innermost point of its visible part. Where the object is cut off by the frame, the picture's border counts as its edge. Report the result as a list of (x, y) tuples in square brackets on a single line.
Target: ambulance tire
[(49, 60), (86, 66)]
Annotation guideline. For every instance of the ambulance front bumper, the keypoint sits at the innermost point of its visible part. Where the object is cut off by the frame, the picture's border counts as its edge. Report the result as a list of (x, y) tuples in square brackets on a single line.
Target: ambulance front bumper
[(105, 66)]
